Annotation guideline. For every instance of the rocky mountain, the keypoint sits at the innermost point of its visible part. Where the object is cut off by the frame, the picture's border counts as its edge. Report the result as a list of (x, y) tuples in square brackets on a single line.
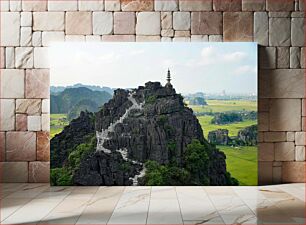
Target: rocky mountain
[(57, 89), (74, 100), (144, 136)]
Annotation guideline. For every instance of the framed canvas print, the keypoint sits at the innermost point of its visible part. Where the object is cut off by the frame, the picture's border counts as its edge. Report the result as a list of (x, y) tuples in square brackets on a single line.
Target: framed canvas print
[(153, 114)]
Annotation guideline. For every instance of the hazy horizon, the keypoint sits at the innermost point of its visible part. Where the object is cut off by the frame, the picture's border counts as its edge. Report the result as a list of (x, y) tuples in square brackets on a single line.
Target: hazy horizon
[(195, 67)]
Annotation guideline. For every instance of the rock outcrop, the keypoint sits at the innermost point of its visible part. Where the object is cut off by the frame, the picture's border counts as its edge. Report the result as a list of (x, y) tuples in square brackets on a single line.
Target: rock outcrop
[(72, 135), (248, 136), (147, 123), (218, 137)]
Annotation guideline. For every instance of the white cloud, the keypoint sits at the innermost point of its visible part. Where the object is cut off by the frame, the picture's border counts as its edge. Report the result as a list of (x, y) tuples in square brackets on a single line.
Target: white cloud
[(245, 69), (137, 52), (234, 56), (109, 58)]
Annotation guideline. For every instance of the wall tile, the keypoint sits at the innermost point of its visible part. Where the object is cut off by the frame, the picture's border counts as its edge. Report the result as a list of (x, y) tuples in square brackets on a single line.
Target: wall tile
[(293, 172), (2, 57), (41, 57), (145, 28), (227, 5), (275, 136), (280, 5), (124, 22), (267, 57), (142, 38), (279, 32), (48, 21), (39, 172), (79, 23), (300, 153), (281, 83), (199, 38), (4, 5), (112, 5), (215, 38), (46, 106), (181, 21), (10, 28), (91, 5), (295, 57), (14, 172), (169, 5), (253, 5), (264, 173), (12, 83), (25, 36), (238, 26), (285, 115), (203, 5), (58, 5), (43, 146), (284, 151), (28, 106), (34, 123), (20, 146), (52, 36), (300, 138), (206, 23), (2, 146), (9, 57), (137, 5), (93, 38), (119, 38), (45, 122), (7, 114), (37, 83), (21, 122), (37, 39), (26, 19), (34, 5), (297, 32), (290, 136), (283, 57), (23, 57), (166, 20), (266, 152), (261, 28), (102, 23)]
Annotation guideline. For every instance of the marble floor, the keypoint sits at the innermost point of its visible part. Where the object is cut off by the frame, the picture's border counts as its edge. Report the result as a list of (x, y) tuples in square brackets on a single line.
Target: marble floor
[(42, 204)]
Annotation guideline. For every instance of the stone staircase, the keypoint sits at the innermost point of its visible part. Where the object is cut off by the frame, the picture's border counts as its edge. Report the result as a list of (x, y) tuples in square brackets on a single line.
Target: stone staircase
[(104, 135)]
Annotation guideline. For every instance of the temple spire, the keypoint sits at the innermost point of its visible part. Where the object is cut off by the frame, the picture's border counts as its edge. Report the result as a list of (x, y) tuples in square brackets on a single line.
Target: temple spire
[(168, 77)]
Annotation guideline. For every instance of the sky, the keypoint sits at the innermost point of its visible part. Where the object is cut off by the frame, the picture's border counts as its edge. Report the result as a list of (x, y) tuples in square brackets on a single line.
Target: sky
[(195, 67)]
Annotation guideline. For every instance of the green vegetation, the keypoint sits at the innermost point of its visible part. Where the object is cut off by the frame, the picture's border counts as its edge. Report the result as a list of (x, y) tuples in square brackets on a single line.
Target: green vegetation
[(72, 101), (226, 118), (150, 99), (225, 105), (63, 176), (242, 163), (57, 123), (194, 171), (233, 128)]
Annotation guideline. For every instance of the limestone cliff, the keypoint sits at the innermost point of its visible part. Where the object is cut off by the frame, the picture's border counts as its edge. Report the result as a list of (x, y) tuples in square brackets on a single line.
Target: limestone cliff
[(147, 123)]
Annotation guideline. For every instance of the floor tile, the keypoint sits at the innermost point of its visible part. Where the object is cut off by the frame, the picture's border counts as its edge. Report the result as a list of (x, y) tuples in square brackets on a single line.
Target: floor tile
[(100, 208), (132, 207)]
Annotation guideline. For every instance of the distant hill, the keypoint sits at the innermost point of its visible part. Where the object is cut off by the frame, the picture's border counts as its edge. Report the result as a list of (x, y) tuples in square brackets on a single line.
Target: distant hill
[(58, 89), (72, 101)]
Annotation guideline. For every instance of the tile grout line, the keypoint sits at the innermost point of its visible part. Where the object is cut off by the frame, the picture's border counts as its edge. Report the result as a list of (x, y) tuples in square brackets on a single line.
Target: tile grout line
[(213, 205), (30, 200), (149, 205), (56, 205), (116, 205), (87, 204), (178, 201)]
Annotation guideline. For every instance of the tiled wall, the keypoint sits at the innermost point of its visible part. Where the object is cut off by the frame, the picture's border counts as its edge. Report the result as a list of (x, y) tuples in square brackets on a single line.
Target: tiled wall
[(27, 28)]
